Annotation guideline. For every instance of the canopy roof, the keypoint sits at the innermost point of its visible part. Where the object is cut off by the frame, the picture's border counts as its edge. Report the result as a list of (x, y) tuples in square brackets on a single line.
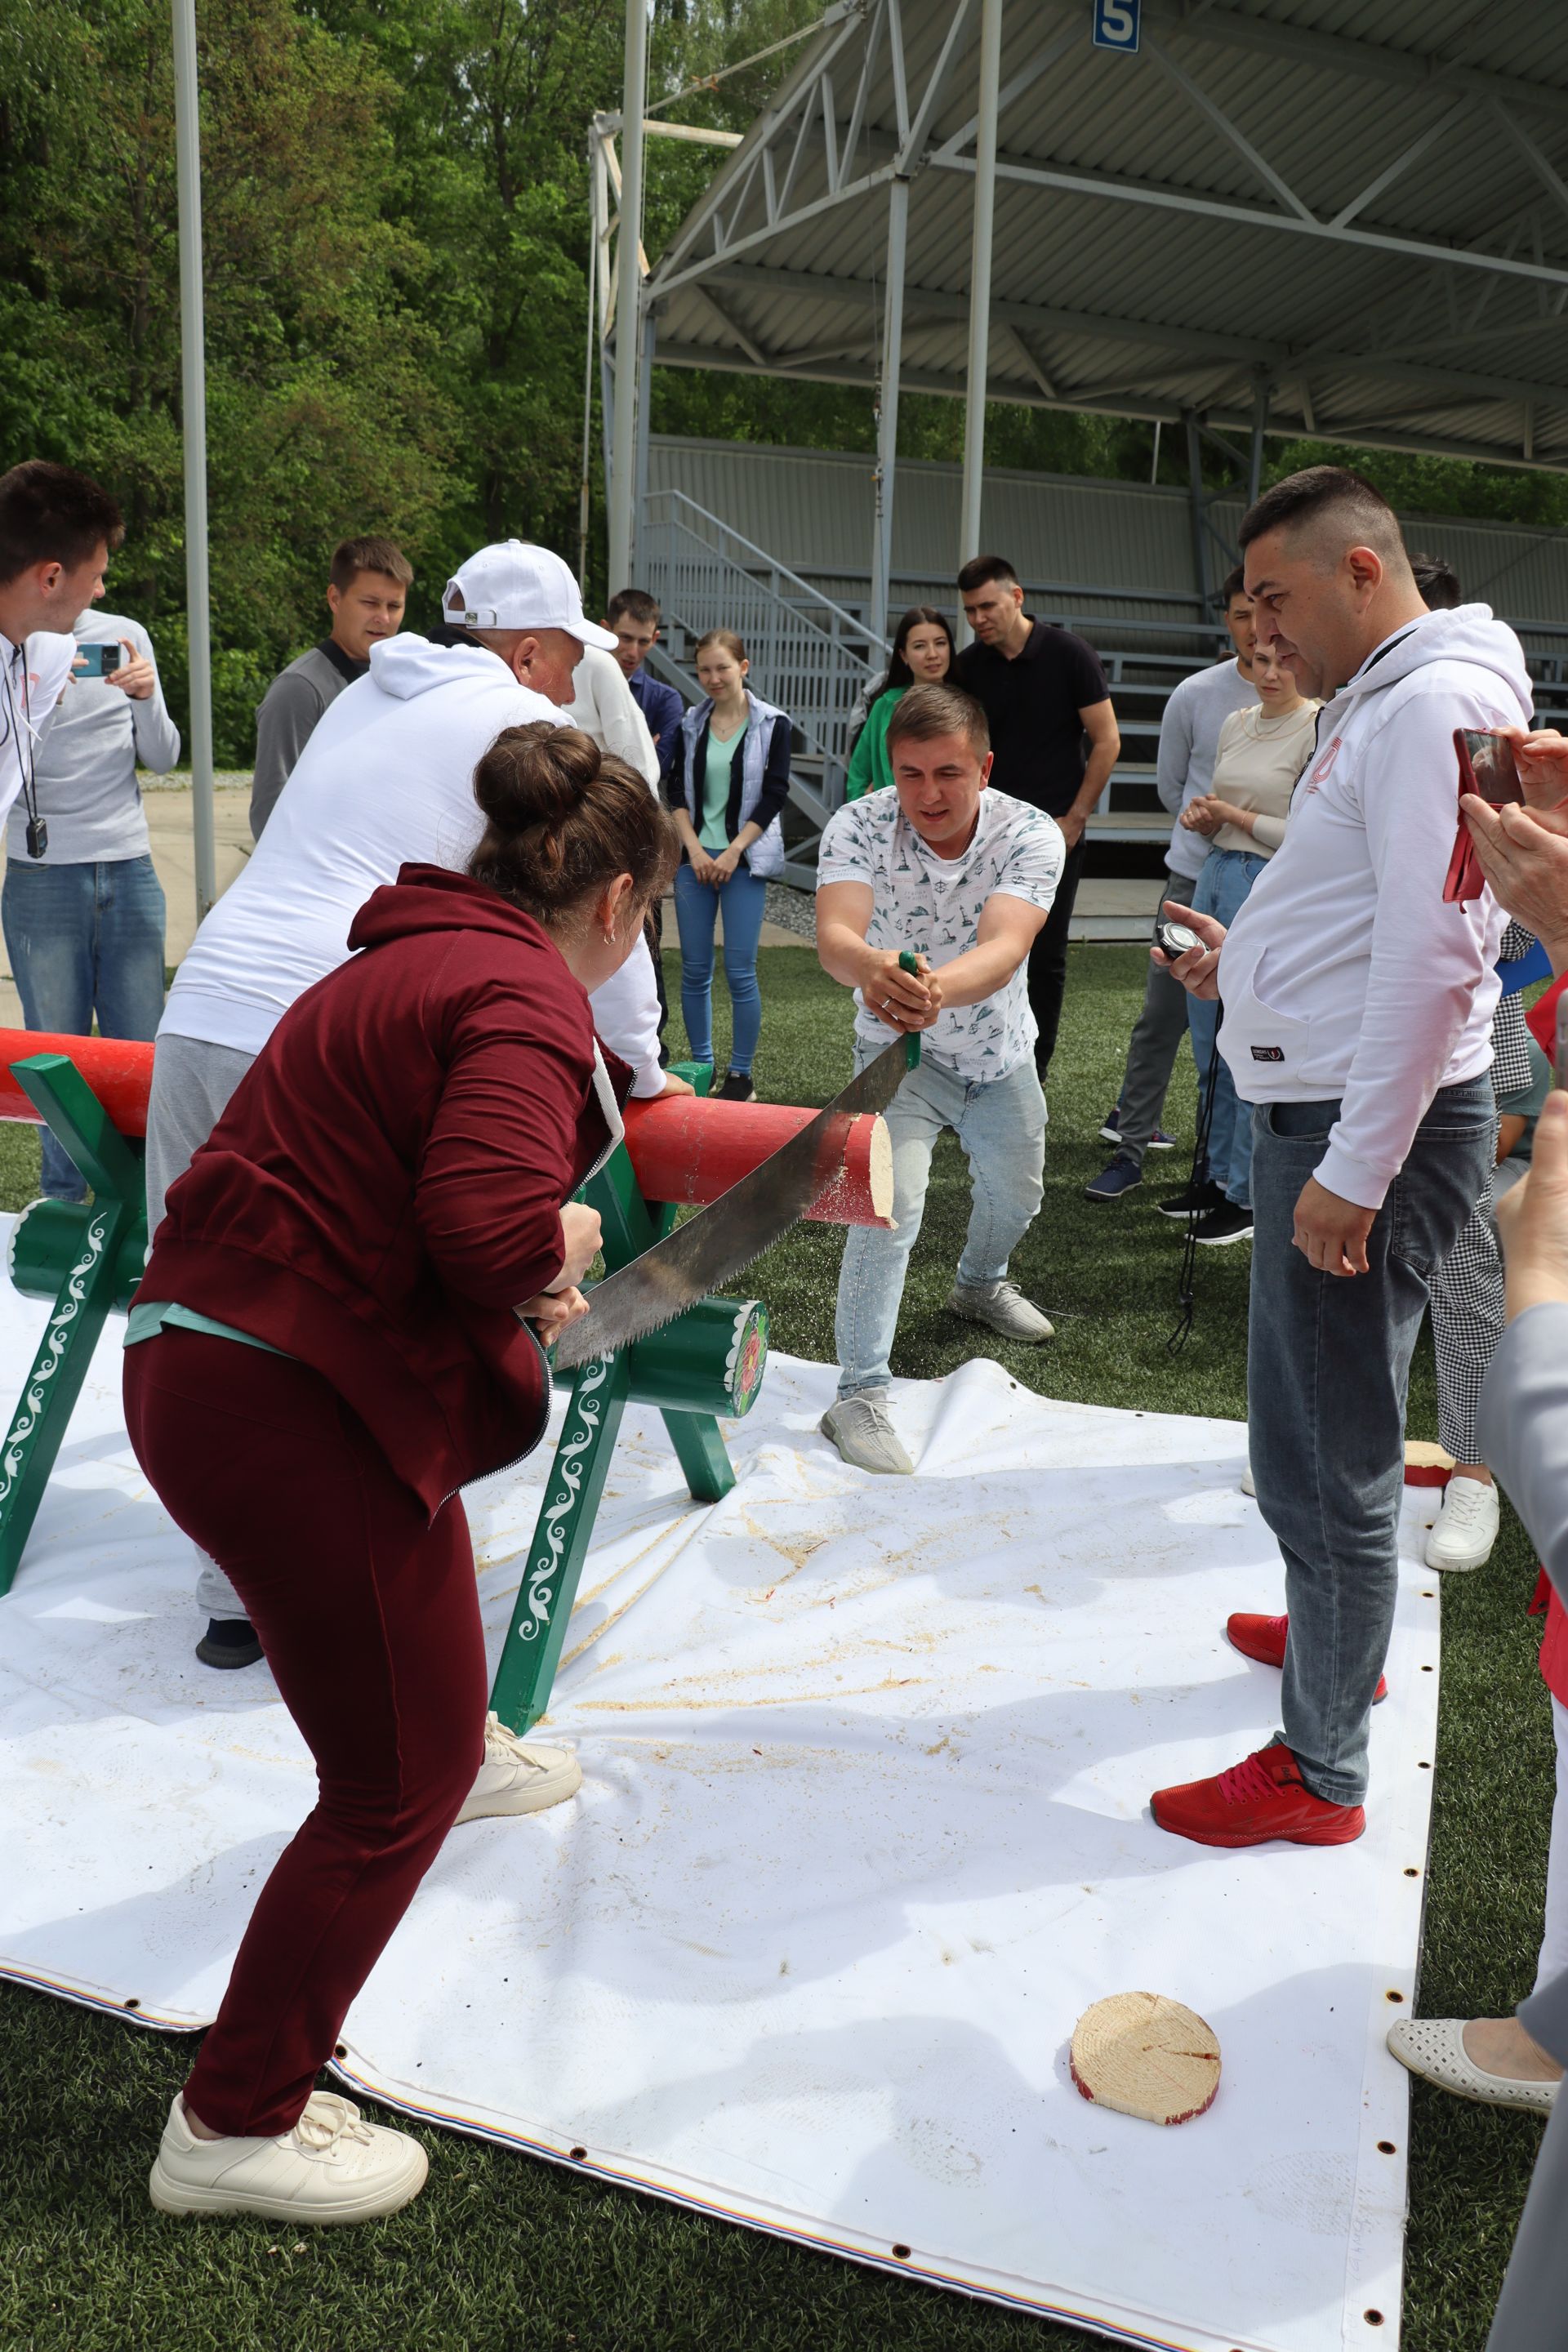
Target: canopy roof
[(1308, 215)]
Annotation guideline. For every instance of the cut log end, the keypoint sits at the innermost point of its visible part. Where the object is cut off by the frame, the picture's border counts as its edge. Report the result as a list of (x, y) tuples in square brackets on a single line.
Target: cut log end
[(1147, 2056), (1427, 1464), (879, 1172)]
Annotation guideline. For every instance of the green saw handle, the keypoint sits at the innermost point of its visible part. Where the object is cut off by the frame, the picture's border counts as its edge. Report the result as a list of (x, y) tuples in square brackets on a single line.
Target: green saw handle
[(910, 962)]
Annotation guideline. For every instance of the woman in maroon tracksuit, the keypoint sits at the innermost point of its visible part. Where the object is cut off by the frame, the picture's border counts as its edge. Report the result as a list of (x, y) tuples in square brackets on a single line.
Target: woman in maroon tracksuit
[(333, 1336)]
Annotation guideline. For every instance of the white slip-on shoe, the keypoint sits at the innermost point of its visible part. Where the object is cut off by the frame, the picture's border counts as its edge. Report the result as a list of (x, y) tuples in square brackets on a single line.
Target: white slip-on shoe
[(518, 1777), (1434, 2048), (1003, 1306), (1249, 1484), (333, 2166), (861, 1427), (1466, 1527)]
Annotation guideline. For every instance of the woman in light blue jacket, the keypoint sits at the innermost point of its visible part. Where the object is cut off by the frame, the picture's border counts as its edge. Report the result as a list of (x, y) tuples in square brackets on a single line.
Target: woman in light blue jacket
[(727, 789)]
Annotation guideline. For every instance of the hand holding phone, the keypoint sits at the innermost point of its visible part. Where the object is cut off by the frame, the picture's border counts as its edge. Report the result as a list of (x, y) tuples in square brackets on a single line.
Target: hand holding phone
[(96, 661), (1487, 766)]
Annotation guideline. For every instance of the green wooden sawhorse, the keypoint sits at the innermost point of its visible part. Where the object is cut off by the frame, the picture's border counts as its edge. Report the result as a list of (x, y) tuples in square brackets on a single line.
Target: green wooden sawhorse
[(88, 1260), (708, 1362)]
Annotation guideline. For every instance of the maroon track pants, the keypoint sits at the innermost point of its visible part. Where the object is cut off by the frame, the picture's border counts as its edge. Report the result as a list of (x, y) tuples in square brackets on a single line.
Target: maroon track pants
[(370, 1620)]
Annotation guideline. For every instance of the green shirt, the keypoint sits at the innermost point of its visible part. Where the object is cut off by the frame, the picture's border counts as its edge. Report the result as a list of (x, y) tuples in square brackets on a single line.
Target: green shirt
[(147, 1319), (714, 831), (869, 766)]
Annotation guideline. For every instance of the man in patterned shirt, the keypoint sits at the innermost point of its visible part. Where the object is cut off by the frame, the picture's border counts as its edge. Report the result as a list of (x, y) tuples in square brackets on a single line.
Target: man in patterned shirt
[(964, 877)]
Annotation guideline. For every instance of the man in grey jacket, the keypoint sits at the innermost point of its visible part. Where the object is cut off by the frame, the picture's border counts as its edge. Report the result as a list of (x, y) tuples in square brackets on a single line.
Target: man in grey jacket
[(366, 593)]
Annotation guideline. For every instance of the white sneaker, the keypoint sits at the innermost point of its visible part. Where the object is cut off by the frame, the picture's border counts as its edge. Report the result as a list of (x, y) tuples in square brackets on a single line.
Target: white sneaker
[(1466, 1527), (1249, 1484), (333, 2166), (515, 1779), (1003, 1306), (861, 1427)]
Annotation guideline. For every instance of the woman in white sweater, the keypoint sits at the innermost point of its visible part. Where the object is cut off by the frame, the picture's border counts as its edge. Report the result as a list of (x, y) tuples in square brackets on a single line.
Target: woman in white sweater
[(1262, 751)]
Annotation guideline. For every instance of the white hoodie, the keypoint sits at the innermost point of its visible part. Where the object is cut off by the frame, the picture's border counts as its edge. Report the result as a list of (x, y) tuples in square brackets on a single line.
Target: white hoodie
[(1345, 975), (386, 780)]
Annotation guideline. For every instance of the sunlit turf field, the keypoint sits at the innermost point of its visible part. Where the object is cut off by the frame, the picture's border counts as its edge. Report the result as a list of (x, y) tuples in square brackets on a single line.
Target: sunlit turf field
[(501, 2254)]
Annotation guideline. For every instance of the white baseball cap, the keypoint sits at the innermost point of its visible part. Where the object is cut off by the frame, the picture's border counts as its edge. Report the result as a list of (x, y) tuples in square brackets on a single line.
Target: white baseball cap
[(515, 586)]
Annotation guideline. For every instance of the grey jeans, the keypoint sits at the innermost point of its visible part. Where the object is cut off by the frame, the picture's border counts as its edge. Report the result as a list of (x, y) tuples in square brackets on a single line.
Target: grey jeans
[(191, 1082), (1001, 1129), (1328, 1369), (1529, 2313), (1157, 1036)]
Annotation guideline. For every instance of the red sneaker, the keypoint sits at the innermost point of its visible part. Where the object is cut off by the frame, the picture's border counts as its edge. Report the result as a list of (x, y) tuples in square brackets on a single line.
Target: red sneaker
[(1262, 1796), (1263, 1638)]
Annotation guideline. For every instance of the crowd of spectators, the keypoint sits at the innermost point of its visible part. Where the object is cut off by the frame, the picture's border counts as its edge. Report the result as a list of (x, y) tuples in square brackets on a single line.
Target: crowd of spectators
[(1375, 1117)]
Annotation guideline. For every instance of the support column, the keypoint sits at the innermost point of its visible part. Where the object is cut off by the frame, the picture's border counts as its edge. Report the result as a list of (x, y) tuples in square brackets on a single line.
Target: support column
[(887, 421), (637, 561), (194, 397), (1262, 391), (980, 277), (628, 296), (1195, 509)]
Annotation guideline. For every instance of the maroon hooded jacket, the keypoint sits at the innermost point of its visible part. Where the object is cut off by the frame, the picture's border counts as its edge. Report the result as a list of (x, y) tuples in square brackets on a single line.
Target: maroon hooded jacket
[(386, 1183)]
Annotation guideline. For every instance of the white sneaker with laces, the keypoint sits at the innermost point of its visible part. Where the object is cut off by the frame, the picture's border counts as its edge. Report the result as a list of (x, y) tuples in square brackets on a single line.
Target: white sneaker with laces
[(1003, 1306), (333, 2166), (1466, 1527), (518, 1777), (861, 1427)]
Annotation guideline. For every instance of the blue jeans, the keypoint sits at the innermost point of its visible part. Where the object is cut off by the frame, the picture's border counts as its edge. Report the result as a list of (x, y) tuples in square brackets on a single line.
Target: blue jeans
[(697, 904), (1002, 1130), (1328, 1369), (85, 940), (1221, 890)]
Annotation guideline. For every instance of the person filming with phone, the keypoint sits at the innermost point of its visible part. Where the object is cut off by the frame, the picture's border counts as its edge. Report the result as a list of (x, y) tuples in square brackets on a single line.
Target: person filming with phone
[(1357, 1005)]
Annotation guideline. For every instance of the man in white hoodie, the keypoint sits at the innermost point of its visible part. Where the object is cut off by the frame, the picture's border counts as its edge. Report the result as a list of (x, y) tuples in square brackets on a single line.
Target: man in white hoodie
[(1357, 1015), (386, 780)]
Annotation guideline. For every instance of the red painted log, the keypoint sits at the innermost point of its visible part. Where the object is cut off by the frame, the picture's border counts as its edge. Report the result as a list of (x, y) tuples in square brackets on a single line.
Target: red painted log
[(119, 1071), (683, 1147), (687, 1148)]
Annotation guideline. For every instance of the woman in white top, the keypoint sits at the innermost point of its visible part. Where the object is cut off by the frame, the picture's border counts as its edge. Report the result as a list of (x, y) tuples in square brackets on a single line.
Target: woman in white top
[(1262, 751)]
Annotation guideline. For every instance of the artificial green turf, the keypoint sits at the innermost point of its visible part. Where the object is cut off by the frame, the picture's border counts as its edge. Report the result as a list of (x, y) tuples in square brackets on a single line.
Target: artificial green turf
[(502, 2254)]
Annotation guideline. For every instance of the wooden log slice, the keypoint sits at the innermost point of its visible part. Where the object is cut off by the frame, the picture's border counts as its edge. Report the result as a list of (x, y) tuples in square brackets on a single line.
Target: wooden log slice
[(1146, 2056), (1427, 1464)]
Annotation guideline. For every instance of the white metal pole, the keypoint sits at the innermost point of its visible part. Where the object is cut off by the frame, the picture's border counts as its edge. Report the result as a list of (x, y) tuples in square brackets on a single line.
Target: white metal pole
[(193, 378), (583, 494), (628, 298), (980, 276), (888, 421), (645, 419)]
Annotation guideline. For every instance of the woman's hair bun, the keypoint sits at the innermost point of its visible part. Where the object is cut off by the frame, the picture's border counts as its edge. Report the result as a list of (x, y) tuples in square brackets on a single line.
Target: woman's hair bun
[(535, 776)]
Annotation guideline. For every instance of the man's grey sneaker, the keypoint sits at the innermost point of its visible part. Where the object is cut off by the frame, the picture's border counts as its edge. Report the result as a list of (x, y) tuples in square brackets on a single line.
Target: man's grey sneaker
[(1123, 1175), (333, 2166), (518, 1777), (1003, 1306), (861, 1427)]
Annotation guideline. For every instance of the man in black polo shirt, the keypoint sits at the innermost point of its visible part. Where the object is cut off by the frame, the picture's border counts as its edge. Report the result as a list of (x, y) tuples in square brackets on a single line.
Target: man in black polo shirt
[(1044, 693)]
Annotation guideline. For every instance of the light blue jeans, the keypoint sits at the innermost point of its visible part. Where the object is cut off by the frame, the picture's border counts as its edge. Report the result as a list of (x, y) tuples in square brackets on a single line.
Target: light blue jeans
[(743, 898), (85, 939), (1001, 1128), (1221, 890)]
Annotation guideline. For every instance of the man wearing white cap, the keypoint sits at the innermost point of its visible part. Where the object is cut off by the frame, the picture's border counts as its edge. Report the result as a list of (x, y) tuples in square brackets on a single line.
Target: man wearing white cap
[(385, 781)]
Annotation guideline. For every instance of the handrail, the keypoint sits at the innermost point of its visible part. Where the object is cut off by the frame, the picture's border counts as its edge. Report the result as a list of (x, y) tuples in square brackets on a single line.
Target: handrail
[(771, 562)]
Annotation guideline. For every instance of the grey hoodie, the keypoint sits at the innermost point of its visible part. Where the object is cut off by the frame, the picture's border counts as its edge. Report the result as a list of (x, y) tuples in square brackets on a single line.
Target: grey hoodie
[(1345, 976)]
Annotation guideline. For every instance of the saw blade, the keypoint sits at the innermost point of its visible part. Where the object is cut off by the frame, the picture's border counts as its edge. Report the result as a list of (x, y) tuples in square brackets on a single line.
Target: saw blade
[(710, 1248)]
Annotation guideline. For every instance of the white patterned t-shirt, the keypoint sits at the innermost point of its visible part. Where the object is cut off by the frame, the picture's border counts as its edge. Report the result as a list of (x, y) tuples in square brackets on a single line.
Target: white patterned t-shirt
[(934, 904)]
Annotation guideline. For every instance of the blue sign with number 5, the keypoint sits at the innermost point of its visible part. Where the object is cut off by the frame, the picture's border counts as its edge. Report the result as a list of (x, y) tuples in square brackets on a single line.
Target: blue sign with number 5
[(1116, 23)]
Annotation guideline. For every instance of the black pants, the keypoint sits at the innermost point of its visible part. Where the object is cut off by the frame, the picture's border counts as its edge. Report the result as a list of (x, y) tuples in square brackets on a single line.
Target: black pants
[(1048, 957), (654, 934)]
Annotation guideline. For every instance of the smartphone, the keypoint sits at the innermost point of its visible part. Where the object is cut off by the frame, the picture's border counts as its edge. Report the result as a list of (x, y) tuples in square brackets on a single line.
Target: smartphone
[(1487, 766), (98, 661)]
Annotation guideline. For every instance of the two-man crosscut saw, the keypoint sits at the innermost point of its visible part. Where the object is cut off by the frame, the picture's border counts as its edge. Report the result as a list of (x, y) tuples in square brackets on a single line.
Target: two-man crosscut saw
[(710, 1248)]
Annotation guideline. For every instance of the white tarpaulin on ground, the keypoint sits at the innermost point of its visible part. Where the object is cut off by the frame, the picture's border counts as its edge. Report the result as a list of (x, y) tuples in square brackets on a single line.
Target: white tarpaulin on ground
[(863, 1829)]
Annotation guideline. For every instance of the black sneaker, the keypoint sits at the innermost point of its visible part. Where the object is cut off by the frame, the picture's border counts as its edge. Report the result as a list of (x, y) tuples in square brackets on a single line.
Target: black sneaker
[(1226, 1224), (228, 1642), (737, 1087), (1195, 1199)]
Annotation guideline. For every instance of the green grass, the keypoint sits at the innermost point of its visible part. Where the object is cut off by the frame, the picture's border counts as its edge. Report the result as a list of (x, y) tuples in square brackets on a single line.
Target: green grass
[(501, 2254)]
